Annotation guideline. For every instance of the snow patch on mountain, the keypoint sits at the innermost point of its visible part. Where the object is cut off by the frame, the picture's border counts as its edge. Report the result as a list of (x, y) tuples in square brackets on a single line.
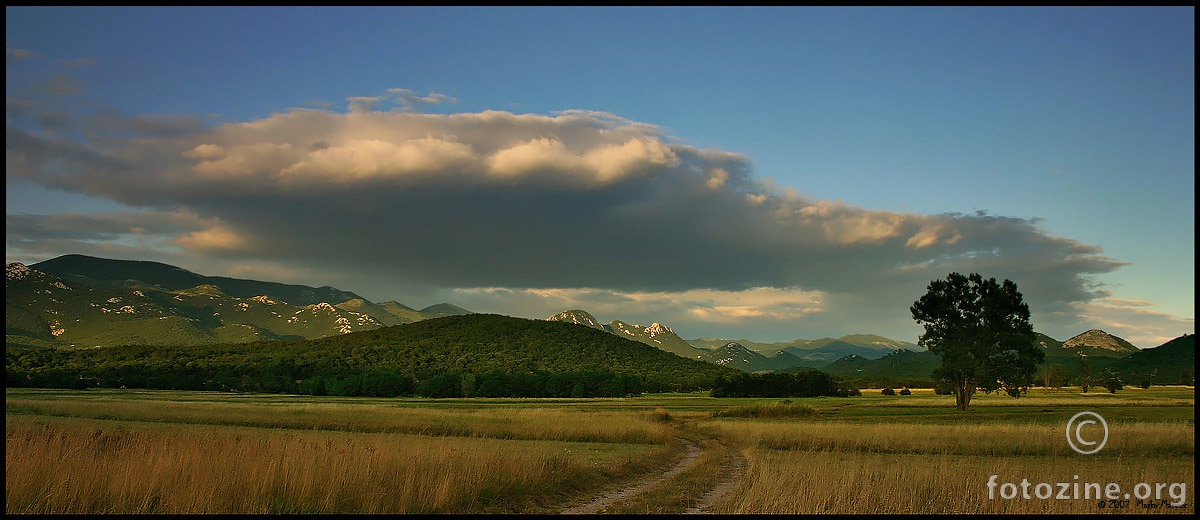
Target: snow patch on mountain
[(657, 328), (578, 317), (732, 352), (322, 307)]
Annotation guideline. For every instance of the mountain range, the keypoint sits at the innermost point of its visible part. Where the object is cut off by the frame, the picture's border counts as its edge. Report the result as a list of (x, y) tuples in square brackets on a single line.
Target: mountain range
[(81, 301), (822, 351), (656, 335), (744, 354)]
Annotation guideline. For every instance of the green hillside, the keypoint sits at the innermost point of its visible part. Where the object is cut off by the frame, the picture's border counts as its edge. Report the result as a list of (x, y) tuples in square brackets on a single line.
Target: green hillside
[(81, 268), (906, 363), (100, 302), (1047, 342), (900, 368), (481, 342), (734, 355), (405, 313), (423, 351), (443, 309), (1171, 363), (1074, 365), (852, 364), (379, 312), (44, 310)]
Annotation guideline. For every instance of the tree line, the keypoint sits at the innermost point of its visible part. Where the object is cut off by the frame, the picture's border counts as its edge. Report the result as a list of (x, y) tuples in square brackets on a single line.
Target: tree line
[(282, 378), (809, 383)]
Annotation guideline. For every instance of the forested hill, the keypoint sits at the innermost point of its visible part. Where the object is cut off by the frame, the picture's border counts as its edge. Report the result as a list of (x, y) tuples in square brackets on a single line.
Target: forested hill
[(416, 352), (482, 342)]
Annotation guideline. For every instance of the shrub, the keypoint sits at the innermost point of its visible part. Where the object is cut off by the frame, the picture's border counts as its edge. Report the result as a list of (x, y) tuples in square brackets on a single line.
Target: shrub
[(661, 415), (1112, 382)]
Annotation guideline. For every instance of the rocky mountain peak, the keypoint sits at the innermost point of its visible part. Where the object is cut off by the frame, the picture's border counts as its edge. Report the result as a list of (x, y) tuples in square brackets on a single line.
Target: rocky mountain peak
[(578, 317), (657, 328), (734, 346), (1099, 339)]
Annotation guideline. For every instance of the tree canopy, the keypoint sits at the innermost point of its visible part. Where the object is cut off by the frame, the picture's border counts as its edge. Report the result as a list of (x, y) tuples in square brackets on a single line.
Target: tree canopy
[(980, 328)]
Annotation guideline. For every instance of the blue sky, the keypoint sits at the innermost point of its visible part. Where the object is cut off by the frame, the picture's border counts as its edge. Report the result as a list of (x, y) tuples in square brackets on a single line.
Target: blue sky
[(880, 148)]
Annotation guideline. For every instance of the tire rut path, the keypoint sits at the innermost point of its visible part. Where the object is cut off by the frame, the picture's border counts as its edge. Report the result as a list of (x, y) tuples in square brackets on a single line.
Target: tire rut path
[(737, 470), (596, 505)]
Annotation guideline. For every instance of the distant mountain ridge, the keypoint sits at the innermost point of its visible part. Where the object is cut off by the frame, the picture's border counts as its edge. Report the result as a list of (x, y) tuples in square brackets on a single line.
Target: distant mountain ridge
[(822, 351), (102, 302), (735, 355), (656, 335), (767, 357), (171, 278), (899, 364)]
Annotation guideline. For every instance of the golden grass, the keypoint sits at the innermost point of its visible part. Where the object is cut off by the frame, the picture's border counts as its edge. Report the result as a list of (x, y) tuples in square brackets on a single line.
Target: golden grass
[(192, 452), (789, 482), (509, 422), (780, 410), (800, 467), (78, 466), (994, 439)]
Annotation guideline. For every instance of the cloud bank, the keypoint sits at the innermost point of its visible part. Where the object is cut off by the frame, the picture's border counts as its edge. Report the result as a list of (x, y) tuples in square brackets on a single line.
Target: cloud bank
[(572, 207)]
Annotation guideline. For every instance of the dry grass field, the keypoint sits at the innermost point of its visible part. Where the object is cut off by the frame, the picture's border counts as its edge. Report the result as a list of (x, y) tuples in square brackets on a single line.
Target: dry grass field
[(890, 455), (166, 453), (111, 451)]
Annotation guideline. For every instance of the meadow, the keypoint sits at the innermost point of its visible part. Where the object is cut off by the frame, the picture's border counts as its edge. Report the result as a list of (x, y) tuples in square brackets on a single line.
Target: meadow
[(160, 452)]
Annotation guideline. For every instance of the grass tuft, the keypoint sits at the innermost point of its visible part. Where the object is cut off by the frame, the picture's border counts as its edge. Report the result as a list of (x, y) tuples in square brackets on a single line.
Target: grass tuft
[(782, 410)]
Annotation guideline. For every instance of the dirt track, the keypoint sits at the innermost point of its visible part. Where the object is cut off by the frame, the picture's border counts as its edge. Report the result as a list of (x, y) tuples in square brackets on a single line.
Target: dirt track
[(736, 465), (737, 469)]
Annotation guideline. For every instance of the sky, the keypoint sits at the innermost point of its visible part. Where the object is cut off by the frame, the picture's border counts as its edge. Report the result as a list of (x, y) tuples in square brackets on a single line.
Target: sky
[(767, 174)]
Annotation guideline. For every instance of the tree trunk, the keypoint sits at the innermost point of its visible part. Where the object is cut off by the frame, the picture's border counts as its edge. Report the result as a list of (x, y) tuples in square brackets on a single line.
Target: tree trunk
[(962, 395)]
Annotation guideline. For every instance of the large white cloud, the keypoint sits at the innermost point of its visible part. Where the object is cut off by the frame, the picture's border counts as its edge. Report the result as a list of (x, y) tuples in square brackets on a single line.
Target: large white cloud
[(496, 199)]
